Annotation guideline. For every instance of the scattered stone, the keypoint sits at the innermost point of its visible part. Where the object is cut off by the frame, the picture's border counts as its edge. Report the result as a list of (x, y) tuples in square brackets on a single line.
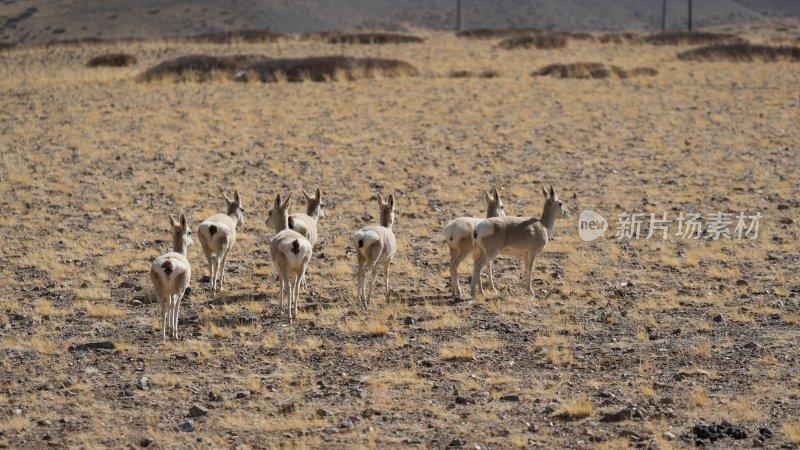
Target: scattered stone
[(766, 432), (409, 320), (670, 436), (758, 442), (186, 427), (323, 413), (214, 397), (461, 400), (127, 393), (718, 318), (774, 256), (741, 282), (715, 432), (619, 416), (43, 423), (510, 398), (143, 383), (532, 427), (456, 443), (751, 345), (369, 412), (145, 442), (242, 394), (197, 411), (105, 345)]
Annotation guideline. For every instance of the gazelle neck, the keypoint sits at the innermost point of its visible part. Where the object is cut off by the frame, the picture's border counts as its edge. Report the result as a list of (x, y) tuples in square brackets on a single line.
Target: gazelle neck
[(548, 220), (387, 219), (178, 244)]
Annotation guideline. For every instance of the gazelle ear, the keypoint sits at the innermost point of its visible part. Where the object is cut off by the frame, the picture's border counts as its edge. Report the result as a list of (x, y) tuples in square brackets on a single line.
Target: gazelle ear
[(287, 202), (278, 201), (172, 222), (552, 192), (184, 222), (227, 199), (544, 191), (391, 201), (496, 194), (237, 198), (318, 194), (488, 196), (305, 194), (380, 199)]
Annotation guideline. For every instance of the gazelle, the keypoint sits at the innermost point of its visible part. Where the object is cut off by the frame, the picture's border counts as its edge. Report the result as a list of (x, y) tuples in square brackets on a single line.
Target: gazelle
[(375, 244), (306, 224), (290, 253), (516, 236), (217, 236), (458, 236), (171, 275)]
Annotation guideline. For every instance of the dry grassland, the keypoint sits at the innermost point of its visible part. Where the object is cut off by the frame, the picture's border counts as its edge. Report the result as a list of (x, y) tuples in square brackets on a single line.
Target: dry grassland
[(680, 331)]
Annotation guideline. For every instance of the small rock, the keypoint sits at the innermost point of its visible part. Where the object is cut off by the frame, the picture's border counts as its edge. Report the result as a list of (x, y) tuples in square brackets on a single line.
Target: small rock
[(242, 394), (758, 442), (409, 321), (670, 436), (532, 427), (214, 397), (43, 423), (718, 318), (456, 443), (751, 345), (323, 413), (510, 398), (774, 256), (766, 432), (145, 442), (461, 400), (127, 393), (143, 383), (197, 411), (186, 427), (619, 416)]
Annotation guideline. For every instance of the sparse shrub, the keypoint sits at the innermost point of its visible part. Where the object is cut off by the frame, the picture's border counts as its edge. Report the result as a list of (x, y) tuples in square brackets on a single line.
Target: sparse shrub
[(6, 46), (468, 74), (197, 67), (492, 33), (94, 40), (540, 41), (112, 60), (592, 70), (229, 37), (372, 38), (742, 53), (325, 68), (692, 38), (621, 38)]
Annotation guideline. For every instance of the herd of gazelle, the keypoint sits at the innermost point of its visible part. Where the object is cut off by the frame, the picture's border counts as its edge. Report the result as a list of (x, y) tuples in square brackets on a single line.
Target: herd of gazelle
[(296, 234)]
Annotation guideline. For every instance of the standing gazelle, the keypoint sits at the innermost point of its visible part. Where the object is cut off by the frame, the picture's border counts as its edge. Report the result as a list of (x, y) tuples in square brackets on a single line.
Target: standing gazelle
[(516, 236), (375, 244), (290, 253), (458, 236), (217, 236), (171, 274), (306, 224)]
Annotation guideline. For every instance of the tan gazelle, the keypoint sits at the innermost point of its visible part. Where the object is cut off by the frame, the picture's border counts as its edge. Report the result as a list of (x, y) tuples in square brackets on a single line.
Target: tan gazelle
[(458, 236), (290, 252), (306, 224), (171, 275), (217, 236), (516, 236), (375, 244)]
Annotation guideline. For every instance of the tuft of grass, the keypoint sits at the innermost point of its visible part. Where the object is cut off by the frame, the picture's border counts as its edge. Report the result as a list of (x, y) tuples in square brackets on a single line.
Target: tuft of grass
[(373, 38), (457, 352), (699, 398), (112, 60), (103, 311), (372, 327), (576, 409), (792, 431), (584, 70)]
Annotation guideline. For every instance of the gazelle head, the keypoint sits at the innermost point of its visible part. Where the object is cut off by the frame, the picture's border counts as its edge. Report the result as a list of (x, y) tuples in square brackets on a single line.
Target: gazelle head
[(181, 234), (553, 206), (314, 204), (278, 216), (387, 211), (494, 205), (235, 209)]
